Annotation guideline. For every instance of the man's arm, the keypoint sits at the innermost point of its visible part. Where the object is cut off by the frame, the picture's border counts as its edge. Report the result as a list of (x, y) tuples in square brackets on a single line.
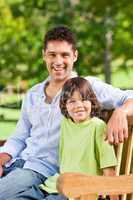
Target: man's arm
[(4, 158), (16, 143), (117, 127), (121, 101)]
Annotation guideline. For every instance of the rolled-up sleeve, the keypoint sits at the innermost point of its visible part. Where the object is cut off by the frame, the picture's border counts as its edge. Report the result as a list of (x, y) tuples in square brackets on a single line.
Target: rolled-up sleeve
[(16, 143), (109, 96)]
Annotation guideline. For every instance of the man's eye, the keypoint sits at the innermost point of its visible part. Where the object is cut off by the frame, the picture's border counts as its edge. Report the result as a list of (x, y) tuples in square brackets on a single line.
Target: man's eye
[(65, 55), (52, 55)]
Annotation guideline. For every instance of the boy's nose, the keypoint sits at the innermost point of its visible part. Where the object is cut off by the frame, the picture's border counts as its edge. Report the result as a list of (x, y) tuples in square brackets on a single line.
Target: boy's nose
[(78, 104)]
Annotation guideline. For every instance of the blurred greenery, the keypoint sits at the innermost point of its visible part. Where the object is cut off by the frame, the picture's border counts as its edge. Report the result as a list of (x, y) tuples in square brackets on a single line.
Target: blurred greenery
[(8, 119), (104, 32), (6, 129)]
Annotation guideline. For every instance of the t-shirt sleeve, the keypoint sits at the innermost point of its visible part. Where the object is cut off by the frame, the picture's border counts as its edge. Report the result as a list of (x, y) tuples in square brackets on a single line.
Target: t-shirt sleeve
[(50, 184), (104, 151)]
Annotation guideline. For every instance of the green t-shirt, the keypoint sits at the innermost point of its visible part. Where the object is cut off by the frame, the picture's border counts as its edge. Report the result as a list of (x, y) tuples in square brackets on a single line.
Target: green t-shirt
[(82, 148)]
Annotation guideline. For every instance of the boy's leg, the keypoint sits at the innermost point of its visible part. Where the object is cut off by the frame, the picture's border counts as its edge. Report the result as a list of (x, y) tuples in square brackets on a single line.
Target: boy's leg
[(17, 181)]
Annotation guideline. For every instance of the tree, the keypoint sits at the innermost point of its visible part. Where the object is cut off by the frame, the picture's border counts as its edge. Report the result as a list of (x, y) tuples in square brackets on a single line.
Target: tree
[(103, 29)]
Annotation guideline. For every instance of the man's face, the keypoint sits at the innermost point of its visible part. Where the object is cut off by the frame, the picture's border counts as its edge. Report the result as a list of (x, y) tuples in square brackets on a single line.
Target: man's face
[(59, 57)]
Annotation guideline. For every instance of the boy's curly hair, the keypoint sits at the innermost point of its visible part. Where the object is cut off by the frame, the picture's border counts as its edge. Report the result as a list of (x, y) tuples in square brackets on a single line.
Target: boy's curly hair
[(83, 86)]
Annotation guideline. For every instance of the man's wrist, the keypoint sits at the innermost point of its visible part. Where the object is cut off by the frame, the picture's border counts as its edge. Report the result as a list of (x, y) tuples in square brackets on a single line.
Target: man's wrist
[(4, 158), (122, 110)]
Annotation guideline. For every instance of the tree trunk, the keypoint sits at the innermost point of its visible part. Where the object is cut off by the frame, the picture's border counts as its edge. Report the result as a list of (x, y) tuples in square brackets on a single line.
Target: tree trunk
[(108, 46)]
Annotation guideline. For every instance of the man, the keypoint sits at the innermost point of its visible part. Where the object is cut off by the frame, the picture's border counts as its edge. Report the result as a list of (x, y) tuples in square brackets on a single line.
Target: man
[(30, 155)]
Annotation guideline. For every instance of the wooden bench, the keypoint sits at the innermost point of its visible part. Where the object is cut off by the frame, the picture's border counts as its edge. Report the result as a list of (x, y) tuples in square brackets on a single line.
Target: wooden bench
[(83, 187)]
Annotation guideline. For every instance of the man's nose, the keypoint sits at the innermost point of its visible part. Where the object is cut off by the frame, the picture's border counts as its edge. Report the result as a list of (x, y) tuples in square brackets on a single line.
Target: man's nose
[(58, 60)]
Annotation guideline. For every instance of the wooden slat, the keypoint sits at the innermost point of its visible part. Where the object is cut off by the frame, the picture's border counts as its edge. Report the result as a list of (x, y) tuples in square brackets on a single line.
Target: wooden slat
[(130, 120), (119, 151), (77, 184)]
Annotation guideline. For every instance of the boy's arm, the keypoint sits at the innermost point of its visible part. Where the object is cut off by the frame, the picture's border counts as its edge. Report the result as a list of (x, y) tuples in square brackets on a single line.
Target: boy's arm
[(110, 171)]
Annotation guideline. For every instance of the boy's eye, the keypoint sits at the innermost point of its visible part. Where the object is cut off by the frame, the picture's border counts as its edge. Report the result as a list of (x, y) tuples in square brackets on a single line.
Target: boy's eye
[(71, 101), (84, 99)]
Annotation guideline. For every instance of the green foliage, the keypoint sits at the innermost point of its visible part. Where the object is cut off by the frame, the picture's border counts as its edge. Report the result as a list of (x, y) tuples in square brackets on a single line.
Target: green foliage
[(102, 28)]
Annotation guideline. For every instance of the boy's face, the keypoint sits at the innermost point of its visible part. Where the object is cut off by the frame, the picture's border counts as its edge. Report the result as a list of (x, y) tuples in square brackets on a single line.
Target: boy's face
[(59, 57), (79, 110)]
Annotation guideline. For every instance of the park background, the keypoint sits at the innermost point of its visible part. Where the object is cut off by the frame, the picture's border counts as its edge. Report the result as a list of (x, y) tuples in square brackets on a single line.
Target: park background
[(104, 31)]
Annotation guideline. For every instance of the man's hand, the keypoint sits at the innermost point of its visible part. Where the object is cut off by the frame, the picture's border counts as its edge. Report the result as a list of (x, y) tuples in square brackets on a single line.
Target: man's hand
[(4, 158), (117, 127), (1, 170)]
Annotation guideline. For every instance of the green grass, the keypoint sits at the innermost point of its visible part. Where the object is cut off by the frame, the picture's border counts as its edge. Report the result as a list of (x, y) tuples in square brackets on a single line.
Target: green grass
[(8, 113), (7, 125), (121, 79), (6, 129)]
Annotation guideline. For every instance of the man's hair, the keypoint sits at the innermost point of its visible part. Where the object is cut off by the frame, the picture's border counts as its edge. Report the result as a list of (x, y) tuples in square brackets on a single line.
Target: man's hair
[(84, 88), (60, 33)]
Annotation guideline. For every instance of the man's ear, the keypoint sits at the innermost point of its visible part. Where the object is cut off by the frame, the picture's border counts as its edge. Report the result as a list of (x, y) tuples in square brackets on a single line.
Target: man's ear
[(75, 55), (43, 54)]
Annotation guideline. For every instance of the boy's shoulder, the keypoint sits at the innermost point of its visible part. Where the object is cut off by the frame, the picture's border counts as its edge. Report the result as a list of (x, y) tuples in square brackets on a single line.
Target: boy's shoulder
[(99, 122)]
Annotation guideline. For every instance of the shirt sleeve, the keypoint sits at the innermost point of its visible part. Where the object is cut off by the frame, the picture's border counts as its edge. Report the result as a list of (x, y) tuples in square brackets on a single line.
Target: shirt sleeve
[(109, 96), (16, 143), (104, 151)]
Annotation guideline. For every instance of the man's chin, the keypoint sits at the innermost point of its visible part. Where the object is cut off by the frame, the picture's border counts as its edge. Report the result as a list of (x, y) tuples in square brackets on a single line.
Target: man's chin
[(61, 78)]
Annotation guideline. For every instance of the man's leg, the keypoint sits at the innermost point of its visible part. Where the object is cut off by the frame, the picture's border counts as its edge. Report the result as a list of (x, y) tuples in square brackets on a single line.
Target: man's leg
[(35, 193), (17, 181), (55, 197)]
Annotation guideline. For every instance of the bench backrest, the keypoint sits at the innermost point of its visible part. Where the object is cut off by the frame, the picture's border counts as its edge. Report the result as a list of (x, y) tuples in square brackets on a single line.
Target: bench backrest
[(84, 187)]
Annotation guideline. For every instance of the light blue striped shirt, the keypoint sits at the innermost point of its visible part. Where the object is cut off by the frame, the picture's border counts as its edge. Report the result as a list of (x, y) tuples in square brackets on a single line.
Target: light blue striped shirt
[(37, 133)]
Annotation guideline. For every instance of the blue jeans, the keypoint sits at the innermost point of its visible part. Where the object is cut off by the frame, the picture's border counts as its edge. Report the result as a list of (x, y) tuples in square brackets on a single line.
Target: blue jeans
[(22, 184), (35, 193)]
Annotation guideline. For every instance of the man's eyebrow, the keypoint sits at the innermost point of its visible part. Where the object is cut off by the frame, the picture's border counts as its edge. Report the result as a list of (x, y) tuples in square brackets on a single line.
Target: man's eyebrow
[(51, 52), (65, 52)]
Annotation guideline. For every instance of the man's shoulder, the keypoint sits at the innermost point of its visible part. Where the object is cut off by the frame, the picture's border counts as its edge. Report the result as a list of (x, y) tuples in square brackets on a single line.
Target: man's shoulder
[(36, 90), (36, 87), (92, 79)]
